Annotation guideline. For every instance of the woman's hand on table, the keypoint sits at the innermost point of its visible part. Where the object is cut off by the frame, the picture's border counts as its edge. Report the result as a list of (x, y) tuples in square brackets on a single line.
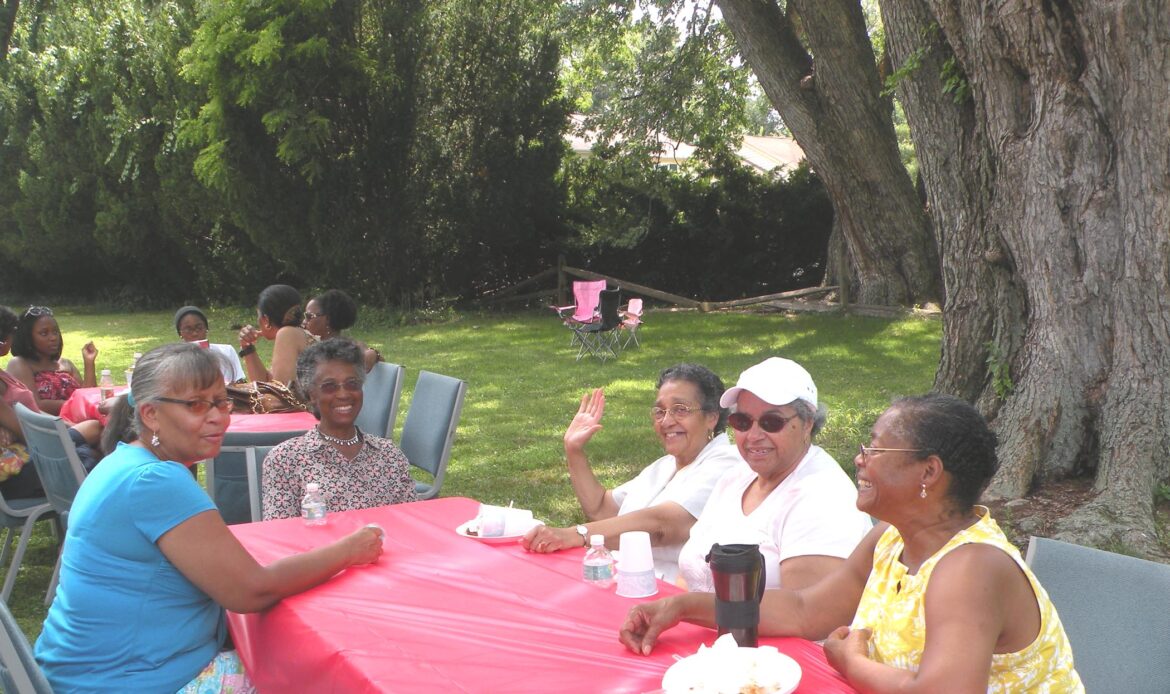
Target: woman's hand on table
[(89, 353), (544, 539), (587, 421), (846, 644), (646, 621), (365, 545)]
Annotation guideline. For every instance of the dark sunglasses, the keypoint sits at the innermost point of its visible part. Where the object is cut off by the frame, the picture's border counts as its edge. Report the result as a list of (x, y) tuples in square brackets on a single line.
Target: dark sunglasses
[(330, 387), (770, 422), (200, 406), (37, 311)]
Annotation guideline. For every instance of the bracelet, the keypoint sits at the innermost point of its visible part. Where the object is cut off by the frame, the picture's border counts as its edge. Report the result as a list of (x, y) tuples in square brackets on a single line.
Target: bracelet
[(250, 349)]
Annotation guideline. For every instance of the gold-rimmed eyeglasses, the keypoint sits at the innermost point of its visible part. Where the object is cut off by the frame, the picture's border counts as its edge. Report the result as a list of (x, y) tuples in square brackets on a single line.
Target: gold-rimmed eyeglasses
[(678, 412), (867, 451)]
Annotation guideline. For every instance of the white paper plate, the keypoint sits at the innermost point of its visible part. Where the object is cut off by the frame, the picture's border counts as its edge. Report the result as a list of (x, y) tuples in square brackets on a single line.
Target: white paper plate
[(732, 669), (499, 540)]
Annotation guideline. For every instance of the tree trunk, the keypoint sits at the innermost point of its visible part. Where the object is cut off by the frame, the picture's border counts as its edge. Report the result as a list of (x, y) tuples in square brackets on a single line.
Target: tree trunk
[(1047, 184), (832, 105), (8, 11)]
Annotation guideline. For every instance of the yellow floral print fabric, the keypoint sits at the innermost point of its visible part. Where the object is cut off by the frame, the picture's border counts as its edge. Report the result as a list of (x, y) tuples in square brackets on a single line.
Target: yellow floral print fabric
[(893, 606)]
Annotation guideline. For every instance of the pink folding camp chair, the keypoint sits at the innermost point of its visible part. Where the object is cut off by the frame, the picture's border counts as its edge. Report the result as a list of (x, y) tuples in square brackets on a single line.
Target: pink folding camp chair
[(631, 319), (587, 296)]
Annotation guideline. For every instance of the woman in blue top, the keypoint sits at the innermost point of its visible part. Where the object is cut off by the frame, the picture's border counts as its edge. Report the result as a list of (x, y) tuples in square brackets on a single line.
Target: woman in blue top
[(148, 564)]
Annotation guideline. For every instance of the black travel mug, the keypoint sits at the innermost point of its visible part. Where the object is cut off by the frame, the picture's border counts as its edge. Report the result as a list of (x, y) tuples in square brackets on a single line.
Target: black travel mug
[(738, 573)]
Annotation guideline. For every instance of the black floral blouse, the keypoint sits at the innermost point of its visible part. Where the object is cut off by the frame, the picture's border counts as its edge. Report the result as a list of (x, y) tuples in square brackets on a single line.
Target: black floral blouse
[(377, 476)]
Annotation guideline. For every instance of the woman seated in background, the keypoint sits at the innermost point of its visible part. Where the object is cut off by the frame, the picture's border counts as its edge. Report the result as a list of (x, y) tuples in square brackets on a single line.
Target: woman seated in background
[(982, 624), (191, 324), (36, 360), (331, 312), (789, 496), (24, 482), (279, 313), (355, 470), (667, 496), (147, 560)]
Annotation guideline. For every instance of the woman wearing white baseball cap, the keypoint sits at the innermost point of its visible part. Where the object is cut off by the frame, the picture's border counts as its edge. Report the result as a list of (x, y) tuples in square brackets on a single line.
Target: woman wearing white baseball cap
[(789, 496)]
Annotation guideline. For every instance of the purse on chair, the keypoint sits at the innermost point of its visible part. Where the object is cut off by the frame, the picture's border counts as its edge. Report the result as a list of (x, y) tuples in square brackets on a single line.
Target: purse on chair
[(264, 397)]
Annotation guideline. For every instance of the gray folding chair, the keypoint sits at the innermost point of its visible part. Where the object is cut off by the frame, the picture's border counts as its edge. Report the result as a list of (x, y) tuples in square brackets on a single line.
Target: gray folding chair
[(429, 429), (60, 469), (254, 461), (1115, 610), (226, 476), (18, 516), (380, 394), (19, 671)]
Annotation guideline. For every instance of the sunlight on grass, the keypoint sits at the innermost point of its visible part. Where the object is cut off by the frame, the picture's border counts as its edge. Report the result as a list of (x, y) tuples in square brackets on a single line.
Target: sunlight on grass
[(525, 386)]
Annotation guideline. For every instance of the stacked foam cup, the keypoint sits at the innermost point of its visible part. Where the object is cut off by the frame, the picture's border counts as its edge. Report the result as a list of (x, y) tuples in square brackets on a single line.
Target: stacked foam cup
[(635, 566)]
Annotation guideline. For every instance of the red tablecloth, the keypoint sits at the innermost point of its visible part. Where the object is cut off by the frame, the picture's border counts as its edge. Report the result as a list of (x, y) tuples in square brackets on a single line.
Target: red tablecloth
[(83, 404), (445, 613)]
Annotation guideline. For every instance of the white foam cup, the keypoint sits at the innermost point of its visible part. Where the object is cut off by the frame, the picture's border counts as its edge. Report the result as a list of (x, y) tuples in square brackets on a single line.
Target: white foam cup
[(635, 584), (634, 549)]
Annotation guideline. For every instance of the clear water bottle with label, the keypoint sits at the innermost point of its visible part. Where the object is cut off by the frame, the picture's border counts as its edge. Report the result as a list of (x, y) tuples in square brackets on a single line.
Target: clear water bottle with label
[(106, 383), (598, 568), (313, 505)]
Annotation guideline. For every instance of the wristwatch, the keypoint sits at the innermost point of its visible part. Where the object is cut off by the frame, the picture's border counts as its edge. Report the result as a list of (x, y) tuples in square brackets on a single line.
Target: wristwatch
[(584, 533)]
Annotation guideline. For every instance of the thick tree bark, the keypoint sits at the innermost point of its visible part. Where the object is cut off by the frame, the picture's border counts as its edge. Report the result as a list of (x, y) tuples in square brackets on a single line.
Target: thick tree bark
[(1049, 189), (833, 106), (8, 11)]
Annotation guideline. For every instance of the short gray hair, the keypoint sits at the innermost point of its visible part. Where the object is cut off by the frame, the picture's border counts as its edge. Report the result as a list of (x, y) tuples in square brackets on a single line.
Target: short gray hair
[(805, 411)]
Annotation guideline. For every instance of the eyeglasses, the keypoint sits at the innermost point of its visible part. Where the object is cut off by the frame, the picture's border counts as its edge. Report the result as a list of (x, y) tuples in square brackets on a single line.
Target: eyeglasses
[(330, 387), (678, 412), (770, 422), (309, 315), (867, 451), (37, 311), (193, 329), (199, 406)]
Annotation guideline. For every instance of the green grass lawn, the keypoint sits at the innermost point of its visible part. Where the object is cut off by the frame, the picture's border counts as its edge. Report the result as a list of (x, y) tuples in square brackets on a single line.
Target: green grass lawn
[(524, 387)]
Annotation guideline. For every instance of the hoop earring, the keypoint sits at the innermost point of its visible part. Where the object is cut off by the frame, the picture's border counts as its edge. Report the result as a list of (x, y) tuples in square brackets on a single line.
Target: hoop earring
[(710, 434), (923, 493)]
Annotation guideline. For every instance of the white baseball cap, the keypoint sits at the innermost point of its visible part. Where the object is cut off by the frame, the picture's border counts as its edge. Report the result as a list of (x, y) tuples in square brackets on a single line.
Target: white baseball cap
[(776, 381)]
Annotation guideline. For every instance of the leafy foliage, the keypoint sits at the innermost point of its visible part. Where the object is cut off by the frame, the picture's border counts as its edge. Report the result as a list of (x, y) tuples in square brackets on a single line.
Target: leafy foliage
[(208, 149), (720, 232)]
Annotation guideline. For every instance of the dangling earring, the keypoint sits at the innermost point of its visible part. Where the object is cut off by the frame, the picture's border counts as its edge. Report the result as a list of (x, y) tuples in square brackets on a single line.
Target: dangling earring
[(923, 493), (155, 442)]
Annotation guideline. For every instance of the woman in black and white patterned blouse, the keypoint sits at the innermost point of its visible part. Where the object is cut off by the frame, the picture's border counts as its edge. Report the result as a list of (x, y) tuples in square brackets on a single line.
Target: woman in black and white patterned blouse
[(354, 470)]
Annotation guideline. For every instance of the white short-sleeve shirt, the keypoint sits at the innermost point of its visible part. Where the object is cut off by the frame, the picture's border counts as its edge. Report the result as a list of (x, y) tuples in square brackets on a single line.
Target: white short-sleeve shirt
[(662, 481), (229, 362), (812, 512)]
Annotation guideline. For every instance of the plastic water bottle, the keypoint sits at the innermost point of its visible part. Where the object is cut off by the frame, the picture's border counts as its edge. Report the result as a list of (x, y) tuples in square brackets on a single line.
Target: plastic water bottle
[(130, 371), (313, 505), (598, 568), (106, 383)]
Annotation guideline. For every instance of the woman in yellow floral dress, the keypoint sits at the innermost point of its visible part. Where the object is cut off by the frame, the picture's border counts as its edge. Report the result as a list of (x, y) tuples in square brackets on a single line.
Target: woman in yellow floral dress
[(935, 597)]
